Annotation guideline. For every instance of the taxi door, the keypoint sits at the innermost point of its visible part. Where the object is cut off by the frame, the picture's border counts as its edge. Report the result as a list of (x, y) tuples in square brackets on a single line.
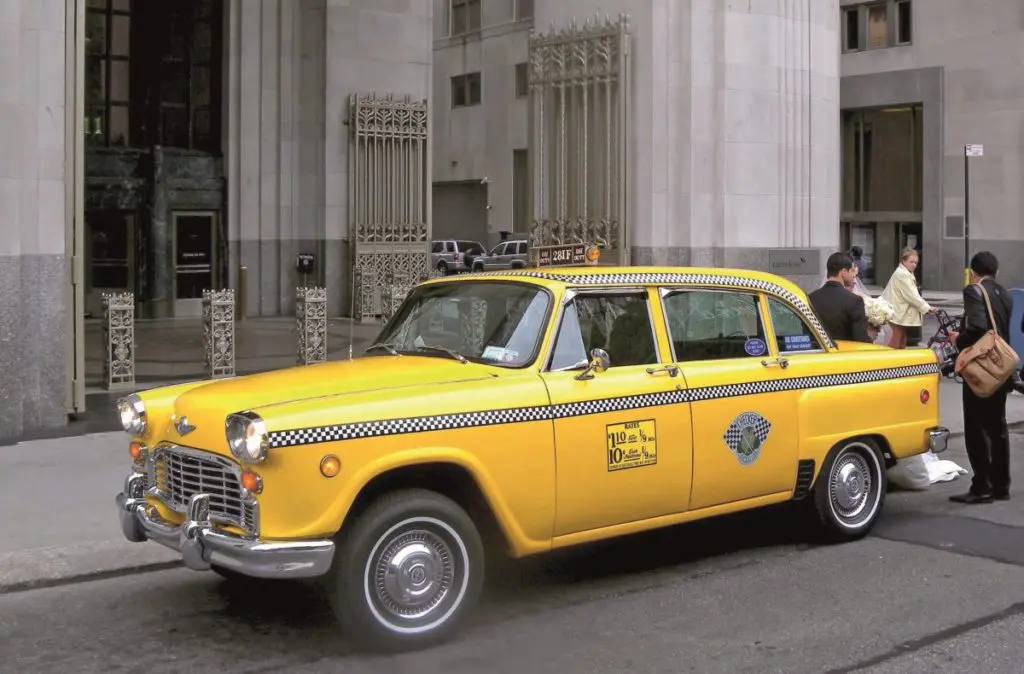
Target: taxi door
[(745, 431), (622, 435)]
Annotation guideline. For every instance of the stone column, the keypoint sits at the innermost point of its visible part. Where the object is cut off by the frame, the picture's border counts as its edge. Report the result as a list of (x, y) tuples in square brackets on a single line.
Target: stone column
[(161, 300)]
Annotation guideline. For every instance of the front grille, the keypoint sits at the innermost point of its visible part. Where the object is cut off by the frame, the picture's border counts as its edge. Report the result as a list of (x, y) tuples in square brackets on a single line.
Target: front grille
[(178, 473)]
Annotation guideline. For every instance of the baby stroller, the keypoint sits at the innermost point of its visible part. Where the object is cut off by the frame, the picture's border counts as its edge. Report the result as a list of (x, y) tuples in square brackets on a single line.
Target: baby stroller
[(945, 350)]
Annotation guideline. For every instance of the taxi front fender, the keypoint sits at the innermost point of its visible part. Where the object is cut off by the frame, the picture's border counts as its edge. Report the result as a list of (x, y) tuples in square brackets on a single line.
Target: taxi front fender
[(409, 468)]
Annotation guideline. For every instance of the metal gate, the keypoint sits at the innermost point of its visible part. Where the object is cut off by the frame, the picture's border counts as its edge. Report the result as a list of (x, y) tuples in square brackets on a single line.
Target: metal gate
[(579, 123), (388, 187)]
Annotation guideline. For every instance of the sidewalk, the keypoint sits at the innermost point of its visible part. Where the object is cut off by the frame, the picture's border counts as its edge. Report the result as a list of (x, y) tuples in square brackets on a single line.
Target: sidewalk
[(168, 350), (78, 535)]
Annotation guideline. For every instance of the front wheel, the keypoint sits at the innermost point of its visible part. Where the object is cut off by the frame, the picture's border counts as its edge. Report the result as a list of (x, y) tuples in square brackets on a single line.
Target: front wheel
[(407, 571), (850, 489)]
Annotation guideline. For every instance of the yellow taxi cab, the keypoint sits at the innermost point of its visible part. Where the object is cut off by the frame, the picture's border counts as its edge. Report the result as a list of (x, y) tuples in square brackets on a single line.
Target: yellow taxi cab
[(517, 412)]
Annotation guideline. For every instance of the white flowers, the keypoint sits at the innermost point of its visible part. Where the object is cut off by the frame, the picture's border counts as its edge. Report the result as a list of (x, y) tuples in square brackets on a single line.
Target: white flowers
[(879, 312)]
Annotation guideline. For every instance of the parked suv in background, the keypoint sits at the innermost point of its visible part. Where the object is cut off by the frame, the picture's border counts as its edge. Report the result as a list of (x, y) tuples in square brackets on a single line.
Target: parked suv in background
[(454, 255), (506, 255)]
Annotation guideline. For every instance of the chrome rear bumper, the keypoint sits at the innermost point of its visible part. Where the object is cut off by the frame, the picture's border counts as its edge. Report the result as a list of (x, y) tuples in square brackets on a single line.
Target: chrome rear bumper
[(201, 545), (938, 439)]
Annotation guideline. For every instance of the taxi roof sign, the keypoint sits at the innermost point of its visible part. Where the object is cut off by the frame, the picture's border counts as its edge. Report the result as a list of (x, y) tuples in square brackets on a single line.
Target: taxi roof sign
[(565, 255)]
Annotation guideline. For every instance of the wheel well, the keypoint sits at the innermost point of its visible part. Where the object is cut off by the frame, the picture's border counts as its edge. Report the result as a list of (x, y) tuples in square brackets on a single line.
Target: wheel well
[(880, 440), (447, 479)]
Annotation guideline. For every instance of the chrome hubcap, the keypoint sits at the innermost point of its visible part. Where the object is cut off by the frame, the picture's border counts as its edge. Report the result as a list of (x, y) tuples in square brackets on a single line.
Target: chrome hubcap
[(413, 574), (850, 486)]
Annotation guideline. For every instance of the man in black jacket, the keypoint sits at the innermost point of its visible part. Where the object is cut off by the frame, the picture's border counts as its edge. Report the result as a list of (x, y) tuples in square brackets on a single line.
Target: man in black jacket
[(985, 432), (841, 311)]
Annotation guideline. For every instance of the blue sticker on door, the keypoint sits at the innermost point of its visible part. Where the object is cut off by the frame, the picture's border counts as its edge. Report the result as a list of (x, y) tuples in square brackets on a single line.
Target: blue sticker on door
[(755, 347)]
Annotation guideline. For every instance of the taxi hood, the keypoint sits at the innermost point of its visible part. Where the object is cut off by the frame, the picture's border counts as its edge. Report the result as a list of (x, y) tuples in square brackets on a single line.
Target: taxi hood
[(369, 373)]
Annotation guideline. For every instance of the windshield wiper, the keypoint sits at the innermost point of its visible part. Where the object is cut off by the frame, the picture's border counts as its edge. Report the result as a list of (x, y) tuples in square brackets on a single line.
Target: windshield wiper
[(382, 345), (443, 349)]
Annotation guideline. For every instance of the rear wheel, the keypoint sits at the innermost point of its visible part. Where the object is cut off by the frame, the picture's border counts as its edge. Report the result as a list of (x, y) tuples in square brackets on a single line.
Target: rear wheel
[(850, 490), (407, 571)]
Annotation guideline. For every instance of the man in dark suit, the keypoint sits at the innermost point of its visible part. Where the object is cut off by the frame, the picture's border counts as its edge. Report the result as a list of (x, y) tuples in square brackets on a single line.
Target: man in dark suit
[(985, 432), (840, 310)]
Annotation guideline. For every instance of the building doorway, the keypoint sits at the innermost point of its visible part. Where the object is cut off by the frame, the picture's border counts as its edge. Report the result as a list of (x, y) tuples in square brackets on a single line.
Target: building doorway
[(195, 265), (883, 242), (109, 256)]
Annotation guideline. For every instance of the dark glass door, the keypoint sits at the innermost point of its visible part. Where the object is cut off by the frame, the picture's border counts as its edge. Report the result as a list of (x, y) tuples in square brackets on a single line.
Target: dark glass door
[(193, 255)]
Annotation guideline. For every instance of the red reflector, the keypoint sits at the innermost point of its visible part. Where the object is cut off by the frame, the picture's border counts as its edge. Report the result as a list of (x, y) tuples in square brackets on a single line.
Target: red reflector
[(925, 396)]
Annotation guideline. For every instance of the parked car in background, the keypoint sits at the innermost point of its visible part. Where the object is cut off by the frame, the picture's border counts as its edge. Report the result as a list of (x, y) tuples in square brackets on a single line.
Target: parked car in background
[(506, 255), (454, 255)]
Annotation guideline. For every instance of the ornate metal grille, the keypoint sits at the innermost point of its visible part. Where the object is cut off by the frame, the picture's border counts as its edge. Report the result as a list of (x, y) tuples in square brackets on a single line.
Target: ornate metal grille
[(119, 337), (219, 333), (579, 122), (388, 183), (311, 323)]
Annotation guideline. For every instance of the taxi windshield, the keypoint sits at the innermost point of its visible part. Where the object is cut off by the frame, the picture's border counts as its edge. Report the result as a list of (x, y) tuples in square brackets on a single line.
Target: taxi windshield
[(492, 322)]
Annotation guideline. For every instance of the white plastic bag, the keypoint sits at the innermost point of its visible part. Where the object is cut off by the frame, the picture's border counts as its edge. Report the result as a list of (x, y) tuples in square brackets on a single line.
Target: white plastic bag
[(941, 470), (923, 470), (910, 473)]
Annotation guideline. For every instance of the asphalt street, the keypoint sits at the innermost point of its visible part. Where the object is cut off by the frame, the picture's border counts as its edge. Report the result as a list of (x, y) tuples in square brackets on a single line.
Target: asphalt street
[(937, 587)]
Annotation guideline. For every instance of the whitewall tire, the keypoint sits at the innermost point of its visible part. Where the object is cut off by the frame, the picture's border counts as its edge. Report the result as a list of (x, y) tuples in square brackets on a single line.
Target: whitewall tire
[(407, 572), (849, 492)]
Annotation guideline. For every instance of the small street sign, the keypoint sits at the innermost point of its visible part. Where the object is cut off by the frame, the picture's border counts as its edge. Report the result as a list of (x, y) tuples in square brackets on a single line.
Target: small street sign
[(974, 150)]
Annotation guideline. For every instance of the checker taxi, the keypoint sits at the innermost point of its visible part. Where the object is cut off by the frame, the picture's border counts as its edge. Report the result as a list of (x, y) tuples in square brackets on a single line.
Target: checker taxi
[(517, 412)]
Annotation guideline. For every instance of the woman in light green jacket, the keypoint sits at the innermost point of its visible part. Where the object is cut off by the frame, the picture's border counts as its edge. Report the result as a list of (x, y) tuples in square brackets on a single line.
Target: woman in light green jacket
[(901, 292)]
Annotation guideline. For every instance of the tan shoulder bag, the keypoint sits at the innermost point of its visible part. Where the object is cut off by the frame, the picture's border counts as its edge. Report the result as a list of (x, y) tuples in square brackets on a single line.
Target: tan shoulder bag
[(988, 363)]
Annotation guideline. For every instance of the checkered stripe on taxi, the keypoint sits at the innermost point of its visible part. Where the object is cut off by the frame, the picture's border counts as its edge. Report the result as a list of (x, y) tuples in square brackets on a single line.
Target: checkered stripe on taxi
[(651, 278), (441, 422)]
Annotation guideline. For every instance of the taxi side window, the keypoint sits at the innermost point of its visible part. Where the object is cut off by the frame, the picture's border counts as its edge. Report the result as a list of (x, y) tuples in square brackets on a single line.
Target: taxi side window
[(714, 324), (791, 332), (619, 324)]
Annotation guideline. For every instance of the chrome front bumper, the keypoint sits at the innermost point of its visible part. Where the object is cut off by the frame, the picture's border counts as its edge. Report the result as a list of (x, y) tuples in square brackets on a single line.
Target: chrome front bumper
[(202, 546), (938, 439)]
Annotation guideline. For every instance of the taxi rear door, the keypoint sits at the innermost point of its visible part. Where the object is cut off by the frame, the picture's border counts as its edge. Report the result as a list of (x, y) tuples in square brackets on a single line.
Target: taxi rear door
[(745, 428), (623, 439)]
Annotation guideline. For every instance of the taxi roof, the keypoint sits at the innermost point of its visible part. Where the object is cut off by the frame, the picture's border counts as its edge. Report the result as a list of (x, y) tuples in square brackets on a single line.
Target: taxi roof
[(590, 275)]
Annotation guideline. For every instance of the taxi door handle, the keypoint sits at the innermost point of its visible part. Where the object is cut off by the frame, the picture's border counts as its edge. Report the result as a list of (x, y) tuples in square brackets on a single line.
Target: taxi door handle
[(671, 369), (780, 361)]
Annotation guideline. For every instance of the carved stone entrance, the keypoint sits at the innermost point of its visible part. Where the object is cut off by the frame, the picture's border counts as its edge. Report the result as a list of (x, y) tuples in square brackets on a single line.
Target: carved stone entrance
[(579, 122), (388, 188)]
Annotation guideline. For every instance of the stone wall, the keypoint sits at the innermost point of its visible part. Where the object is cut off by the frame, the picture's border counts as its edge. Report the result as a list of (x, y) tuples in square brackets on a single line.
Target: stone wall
[(33, 268)]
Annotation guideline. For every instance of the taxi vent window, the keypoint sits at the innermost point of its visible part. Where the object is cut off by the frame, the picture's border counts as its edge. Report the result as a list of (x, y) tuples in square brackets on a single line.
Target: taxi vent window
[(619, 324), (712, 325), (791, 332)]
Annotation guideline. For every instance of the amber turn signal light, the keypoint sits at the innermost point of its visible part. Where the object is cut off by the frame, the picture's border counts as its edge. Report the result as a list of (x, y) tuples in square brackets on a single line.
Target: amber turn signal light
[(330, 465), (593, 254), (137, 450), (925, 396), (252, 482)]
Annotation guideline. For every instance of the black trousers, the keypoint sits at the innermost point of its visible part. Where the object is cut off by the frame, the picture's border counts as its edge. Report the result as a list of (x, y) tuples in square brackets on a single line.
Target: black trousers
[(988, 441)]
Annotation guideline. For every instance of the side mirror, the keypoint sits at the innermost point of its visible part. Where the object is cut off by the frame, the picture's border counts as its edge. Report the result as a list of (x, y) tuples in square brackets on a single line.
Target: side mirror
[(599, 362)]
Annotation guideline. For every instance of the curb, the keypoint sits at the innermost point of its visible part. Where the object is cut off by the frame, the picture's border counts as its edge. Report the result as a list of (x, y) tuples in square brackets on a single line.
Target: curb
[(38, 568)]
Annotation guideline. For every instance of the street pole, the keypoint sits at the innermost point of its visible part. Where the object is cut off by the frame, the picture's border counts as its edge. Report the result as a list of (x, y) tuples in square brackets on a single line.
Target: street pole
[(969, 151)]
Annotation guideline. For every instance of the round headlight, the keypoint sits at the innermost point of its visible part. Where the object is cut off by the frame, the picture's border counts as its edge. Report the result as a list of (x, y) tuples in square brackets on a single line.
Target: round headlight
[(247, 437), (132, 413)]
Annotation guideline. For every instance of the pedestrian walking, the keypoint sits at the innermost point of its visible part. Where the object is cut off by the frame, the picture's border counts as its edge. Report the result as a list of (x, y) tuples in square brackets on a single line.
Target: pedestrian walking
[(908, 306), (840, 311), (985, 432)]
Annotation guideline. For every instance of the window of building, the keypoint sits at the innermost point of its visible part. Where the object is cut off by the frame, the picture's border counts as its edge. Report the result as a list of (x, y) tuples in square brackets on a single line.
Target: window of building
[(465, 16), (618, 323), (153, 74), (792, 334), (524, 9), (107, 72), (877, 25), (883, 159), (466, 90), (714, 324), (522, 80), (520, 191)]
